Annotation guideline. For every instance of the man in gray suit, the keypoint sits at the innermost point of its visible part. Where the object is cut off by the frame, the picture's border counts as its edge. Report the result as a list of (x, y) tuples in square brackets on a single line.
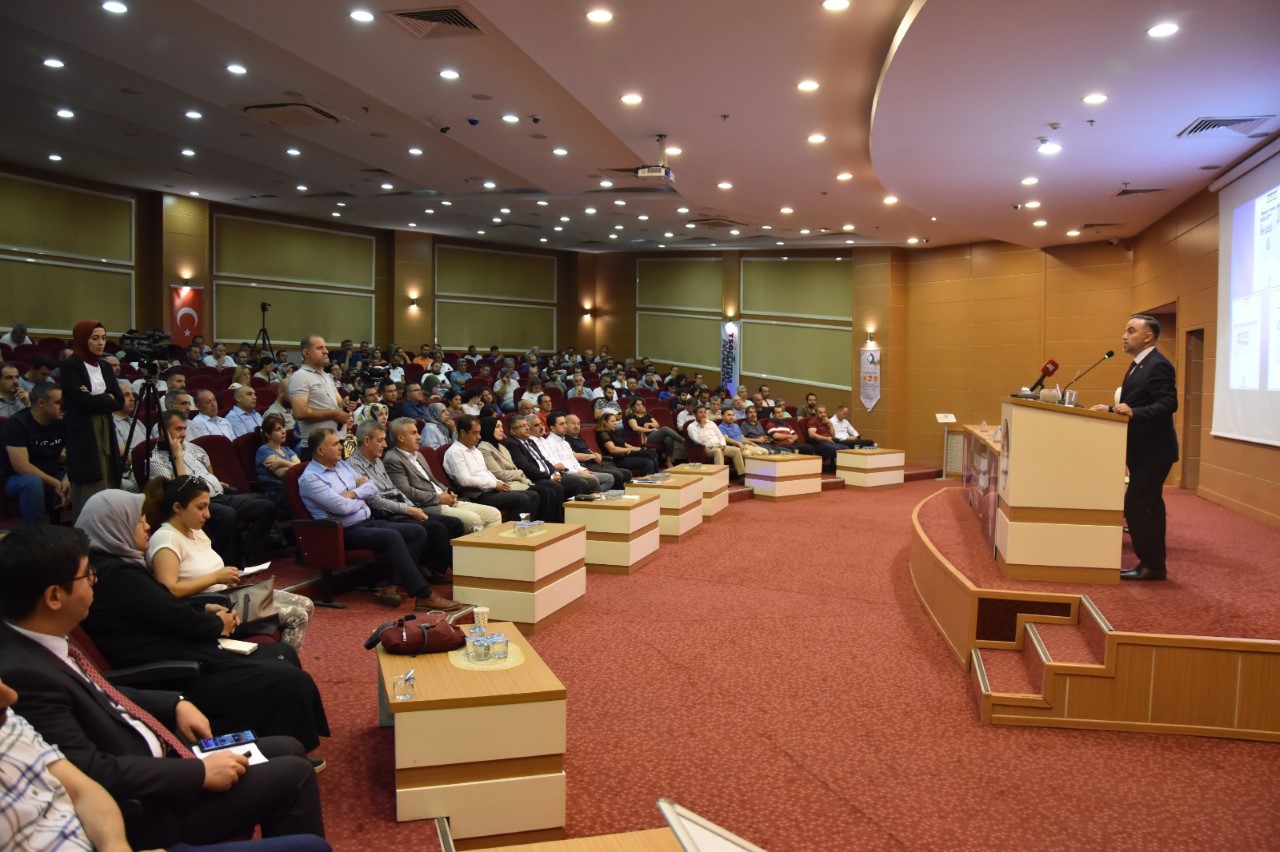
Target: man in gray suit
[(412, 477)]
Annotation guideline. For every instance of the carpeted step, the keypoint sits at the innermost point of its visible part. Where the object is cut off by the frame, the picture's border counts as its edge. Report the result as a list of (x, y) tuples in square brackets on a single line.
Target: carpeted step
[(831, 482), (738, 491), (1083, 643), (1007, 671), (915, 474)]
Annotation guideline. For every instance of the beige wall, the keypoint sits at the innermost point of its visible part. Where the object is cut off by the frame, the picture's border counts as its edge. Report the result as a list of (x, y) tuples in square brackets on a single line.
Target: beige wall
[(1176, 261)]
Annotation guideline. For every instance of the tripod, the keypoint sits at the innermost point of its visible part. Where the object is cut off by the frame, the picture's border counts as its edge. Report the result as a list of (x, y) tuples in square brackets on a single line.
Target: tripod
[(263, 337), (147, 409)]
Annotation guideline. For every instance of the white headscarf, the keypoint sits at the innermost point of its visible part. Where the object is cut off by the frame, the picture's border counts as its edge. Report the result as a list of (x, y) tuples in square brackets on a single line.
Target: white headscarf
[(109, 518)]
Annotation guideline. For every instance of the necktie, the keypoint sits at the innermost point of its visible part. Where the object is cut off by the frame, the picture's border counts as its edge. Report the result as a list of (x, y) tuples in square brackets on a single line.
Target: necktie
[(539, 457), (152, 724)]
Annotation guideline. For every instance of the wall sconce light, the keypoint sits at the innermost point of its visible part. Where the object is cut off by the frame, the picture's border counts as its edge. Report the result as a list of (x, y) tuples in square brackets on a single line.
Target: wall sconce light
[(587, 314), (413, 303)]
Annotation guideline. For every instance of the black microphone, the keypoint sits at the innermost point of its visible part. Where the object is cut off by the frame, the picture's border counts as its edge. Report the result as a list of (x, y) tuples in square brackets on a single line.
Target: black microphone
[(1046, 370), (1079, 376)]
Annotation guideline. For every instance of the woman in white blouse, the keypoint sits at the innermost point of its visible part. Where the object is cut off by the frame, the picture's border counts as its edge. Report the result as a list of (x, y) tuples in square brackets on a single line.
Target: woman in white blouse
[(183, 559)]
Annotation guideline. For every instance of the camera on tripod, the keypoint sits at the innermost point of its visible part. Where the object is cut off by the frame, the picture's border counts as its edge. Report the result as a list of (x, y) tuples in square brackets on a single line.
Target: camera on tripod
[(145, 347)]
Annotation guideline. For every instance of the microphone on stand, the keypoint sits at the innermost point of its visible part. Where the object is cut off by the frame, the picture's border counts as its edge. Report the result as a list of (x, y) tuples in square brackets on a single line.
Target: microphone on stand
[(1046, 370), (1079, 376)]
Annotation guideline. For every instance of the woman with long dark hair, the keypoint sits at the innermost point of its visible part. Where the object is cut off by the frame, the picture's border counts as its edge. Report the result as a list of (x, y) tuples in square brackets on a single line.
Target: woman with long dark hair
[(90, 393), (636, 459)]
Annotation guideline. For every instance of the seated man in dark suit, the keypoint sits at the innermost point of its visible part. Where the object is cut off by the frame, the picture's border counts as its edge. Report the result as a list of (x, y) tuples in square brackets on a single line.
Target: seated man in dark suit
[(529, 457), (130, 741)]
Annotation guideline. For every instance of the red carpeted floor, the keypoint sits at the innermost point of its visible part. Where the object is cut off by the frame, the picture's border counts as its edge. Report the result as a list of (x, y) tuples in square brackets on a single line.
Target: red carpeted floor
[(776, 673), (1224, 571)]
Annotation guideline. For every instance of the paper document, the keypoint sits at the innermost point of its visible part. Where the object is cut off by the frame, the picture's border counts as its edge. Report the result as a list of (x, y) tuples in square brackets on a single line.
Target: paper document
[(255, 569), (249, 750), (236, 646)]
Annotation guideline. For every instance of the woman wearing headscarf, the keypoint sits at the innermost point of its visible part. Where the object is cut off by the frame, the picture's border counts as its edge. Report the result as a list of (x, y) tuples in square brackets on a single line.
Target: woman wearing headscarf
[(438, 428), (497, 458), (136, 620), (90, 393)]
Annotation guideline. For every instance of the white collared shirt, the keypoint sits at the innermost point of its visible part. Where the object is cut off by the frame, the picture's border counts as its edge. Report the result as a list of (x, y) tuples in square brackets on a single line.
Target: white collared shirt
[(465, 466)]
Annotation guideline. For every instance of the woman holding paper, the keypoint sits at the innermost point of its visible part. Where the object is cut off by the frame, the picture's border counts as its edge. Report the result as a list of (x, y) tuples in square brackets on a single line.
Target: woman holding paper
[(183, 558), (135, 620)]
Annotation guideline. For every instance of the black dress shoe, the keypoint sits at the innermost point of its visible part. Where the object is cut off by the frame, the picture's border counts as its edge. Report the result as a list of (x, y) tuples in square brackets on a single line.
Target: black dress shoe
[(1142, 572)]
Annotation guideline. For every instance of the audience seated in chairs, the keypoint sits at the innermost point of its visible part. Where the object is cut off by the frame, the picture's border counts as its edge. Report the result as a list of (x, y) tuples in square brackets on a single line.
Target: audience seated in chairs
[(843, 431), (468, 467), (590, 457), (664, 440), (12, 397), (34, 464), (638, 460), (499, 461), (174, 455), (703, 432), (411, 474), (274, 458), (822, 438), (734, 436), (121, 742), (243, 416), (557, 451), (207, 421), (183, 559)]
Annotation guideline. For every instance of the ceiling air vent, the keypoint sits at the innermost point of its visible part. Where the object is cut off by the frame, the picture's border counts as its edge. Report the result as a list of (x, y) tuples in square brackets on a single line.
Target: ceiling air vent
[(339, 193), (376, 171), (439, 22), (1097, 226), (302, 113), (1126, 192), (715, 222), (1213, 128)]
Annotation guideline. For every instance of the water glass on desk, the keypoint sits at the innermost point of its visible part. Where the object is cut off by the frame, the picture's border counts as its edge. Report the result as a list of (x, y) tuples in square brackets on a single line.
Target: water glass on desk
[(402, 687), (498, 646), (478, 648)]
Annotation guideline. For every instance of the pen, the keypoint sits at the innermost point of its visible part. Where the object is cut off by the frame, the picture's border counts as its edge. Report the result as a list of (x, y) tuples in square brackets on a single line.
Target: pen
[(408, 676)]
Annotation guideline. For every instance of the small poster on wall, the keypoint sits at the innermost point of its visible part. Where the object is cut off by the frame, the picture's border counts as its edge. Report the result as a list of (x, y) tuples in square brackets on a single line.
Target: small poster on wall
[(730, 355), (869, 383)]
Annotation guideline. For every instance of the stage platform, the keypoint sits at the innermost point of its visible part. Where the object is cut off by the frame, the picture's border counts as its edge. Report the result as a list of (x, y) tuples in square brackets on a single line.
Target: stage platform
[(1195, 654)]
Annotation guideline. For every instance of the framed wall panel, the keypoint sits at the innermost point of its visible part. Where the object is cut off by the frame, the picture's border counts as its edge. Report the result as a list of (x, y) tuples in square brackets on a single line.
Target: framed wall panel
[(505, 275), (820, 355), (74, 223), (295, 312), (294, 254), (52, 296), (681, 283), (509, 327), (820, 288), (681, 339)]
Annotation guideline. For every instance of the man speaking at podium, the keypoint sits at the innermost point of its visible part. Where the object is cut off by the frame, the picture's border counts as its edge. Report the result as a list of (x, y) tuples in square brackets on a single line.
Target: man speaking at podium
[(1148, 397)]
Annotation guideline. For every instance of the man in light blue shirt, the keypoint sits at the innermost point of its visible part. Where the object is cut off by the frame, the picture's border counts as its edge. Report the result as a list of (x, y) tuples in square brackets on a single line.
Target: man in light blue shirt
[(332, 490), (244, 417)]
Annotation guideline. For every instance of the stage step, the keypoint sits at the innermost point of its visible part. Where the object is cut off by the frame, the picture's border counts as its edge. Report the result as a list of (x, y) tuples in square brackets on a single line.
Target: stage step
[(1006, 672), (831, 482), (915, 474), (738, 491), (1077, 644)]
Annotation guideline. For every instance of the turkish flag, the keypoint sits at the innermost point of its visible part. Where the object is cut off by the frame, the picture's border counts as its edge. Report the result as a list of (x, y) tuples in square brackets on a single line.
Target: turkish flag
[(186, 318)]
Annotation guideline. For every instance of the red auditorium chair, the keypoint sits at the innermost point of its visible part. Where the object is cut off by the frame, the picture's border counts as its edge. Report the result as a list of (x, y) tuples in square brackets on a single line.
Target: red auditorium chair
[(435, 461), (663, 415), (583, 408), (246, 451), (320, 541), (226, 463)]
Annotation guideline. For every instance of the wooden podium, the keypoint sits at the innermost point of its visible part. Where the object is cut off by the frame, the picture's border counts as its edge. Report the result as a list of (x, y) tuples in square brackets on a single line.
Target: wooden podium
[(1061, 488)]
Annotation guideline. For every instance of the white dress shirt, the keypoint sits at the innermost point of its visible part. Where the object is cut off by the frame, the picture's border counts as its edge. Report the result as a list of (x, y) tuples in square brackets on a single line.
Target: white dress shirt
[(558, 451), (467, 469), (203, 424), (842, 430)]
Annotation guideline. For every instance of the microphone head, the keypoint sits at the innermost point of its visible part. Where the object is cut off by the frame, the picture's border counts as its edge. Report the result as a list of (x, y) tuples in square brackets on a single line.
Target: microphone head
[(1110, 352), (1050, 367)]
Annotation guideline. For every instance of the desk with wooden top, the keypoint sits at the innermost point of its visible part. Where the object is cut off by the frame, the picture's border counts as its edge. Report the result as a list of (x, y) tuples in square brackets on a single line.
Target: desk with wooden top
[(715, 485), (622, 535), (680, 498), (525, 579), (484, 748)]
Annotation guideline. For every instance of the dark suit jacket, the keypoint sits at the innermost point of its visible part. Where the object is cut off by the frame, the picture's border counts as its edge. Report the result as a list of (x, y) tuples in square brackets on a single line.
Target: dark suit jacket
[(410, 483), (79, 409), (525, 460), (1150, 389), (74, 715)]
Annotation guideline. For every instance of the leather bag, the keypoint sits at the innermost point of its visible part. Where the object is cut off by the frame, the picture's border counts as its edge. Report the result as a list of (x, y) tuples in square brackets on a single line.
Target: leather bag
[(433, 633)]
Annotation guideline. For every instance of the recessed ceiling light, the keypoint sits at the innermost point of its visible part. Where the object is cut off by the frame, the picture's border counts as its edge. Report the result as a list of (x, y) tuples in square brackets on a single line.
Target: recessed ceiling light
[(620, 202), (302, 187), (724, 184), (497, 220), (668, 235), (690, 225), (891, 199), (735, 232), (188, 152), (1163, 30), (643, 218), (835, 5), (631, 99), (194, 193), (674, 150), (387, 186), (363, 16), (53, 63), (480, 233), (779, 243), (606, 183), (558, 228), (194, 115), (115, 7), (804, 231), (807, 85), (1032, 205), (429, 212), (1048, 146), (682, 209), (845, 176), (446, 203), (293, 152), (1030, 181), (564, 218), (417, 152), (613, 236), (590, 211), (560, 152), (933, 218), (766, 227), (413, 224), (912, 240), (542, 239), (449, 74), (57, 158), (490, 185), (617, 227), (342, 204), (235, 68), (505, 210), (66, 113), (786, 211), (1073, 233), (1095, 98), (1039, 223), (817, 138), (848, 242), (847, 228), (662, 245), (599, 16), (511, 118), (542, 203)]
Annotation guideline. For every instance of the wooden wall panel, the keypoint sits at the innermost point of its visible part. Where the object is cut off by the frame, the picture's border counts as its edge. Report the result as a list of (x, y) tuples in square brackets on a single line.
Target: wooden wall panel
[(295, 312), (512, 328), (803, 288), (295, 254), (505, 275), (65, 221), (56, 296), (682, 283)]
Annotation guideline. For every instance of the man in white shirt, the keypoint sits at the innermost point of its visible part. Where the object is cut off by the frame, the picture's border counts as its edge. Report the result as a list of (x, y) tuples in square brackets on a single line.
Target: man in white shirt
[(219, 358), (207, 422), (559, 453), (16, 337), (465, 466), (842, 430), (243, 416), (313, 395)]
